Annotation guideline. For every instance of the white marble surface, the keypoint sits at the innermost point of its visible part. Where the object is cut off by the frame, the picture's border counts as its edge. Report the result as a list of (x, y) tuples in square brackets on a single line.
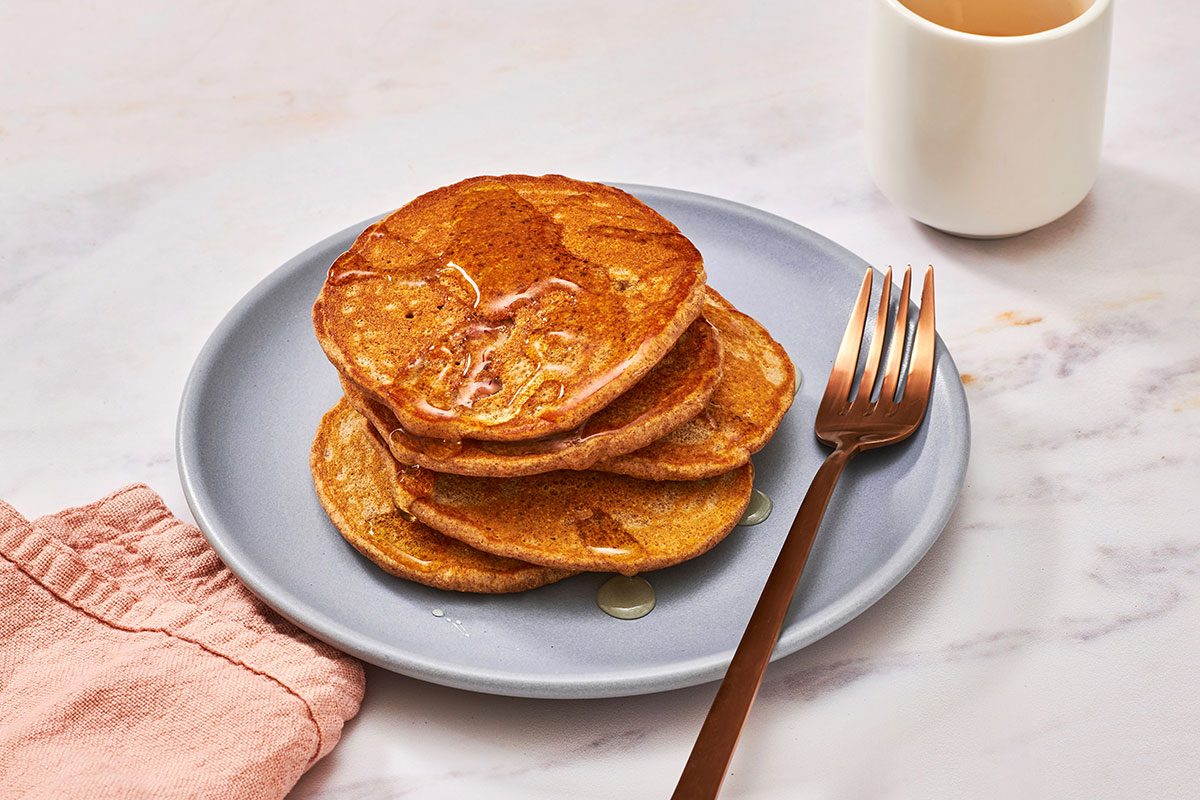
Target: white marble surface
[(156, 161)]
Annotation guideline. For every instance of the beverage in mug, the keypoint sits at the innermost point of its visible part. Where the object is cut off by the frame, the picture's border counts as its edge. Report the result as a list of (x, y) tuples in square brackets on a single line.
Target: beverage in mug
[(999, 17)]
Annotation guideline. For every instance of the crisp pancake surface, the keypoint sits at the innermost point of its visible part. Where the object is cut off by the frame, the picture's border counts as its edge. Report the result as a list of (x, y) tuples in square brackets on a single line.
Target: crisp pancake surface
[(592, 521), (757, 386), (355, 480), (668, 396), (508, 308)]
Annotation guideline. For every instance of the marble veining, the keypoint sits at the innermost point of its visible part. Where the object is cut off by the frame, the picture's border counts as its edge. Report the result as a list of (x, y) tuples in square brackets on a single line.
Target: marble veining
[(157, 164), (1146, 577)]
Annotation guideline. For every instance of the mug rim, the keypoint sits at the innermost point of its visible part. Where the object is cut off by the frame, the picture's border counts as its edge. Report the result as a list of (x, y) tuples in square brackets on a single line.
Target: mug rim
[(1093, 12)]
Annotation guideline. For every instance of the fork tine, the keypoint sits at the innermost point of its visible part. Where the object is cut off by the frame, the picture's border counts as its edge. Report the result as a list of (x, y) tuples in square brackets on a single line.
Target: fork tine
[(891, 378), (920, 369), (837, 391), (874, 356)]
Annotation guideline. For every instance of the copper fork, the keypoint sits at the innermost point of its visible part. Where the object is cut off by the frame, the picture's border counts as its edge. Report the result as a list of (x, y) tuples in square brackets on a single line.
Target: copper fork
[(850, 421)]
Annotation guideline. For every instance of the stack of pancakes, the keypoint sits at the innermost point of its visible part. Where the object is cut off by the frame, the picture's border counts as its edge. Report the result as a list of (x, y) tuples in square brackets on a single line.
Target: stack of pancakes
[(537, 382)]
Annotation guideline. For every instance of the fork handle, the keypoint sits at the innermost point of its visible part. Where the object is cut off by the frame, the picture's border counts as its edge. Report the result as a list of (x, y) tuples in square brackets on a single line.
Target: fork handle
[(706, 766)]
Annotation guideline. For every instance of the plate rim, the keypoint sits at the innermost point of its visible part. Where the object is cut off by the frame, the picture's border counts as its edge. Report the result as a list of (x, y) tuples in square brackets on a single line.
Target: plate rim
[(621, 683)]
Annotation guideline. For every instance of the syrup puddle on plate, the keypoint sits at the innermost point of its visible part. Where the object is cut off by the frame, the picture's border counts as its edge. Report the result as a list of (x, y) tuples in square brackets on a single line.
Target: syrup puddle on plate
[(626, 597), (758, 509)]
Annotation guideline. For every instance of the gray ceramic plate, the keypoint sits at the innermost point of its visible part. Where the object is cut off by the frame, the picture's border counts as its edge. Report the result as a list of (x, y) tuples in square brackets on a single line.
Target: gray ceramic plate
[(261, 383)]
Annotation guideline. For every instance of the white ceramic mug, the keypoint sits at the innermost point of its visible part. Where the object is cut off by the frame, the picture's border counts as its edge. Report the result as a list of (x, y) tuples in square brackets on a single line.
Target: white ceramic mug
[(985, 136)]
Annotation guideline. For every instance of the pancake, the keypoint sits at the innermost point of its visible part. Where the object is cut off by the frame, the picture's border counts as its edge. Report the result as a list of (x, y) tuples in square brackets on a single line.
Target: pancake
[(668, 396), (757, 387), (355, 478), (508, 308), (592, 521)]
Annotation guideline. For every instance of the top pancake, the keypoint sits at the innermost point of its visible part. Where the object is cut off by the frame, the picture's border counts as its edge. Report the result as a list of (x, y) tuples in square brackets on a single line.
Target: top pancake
[(508, 308)]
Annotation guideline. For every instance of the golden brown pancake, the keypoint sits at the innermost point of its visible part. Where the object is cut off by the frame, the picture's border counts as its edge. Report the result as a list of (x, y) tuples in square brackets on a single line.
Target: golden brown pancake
[(355, 479), (669, 395), (508, 308), (756, 389), (592, 521)]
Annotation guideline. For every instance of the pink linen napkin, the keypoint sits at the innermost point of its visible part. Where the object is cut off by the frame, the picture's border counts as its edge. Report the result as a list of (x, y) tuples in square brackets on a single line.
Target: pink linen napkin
[(133, 664)]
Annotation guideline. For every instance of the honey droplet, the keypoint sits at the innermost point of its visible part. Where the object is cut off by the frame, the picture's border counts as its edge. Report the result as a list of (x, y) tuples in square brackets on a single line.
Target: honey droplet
[(601, 533), (758, 509), (626, 597), (392, 533)]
